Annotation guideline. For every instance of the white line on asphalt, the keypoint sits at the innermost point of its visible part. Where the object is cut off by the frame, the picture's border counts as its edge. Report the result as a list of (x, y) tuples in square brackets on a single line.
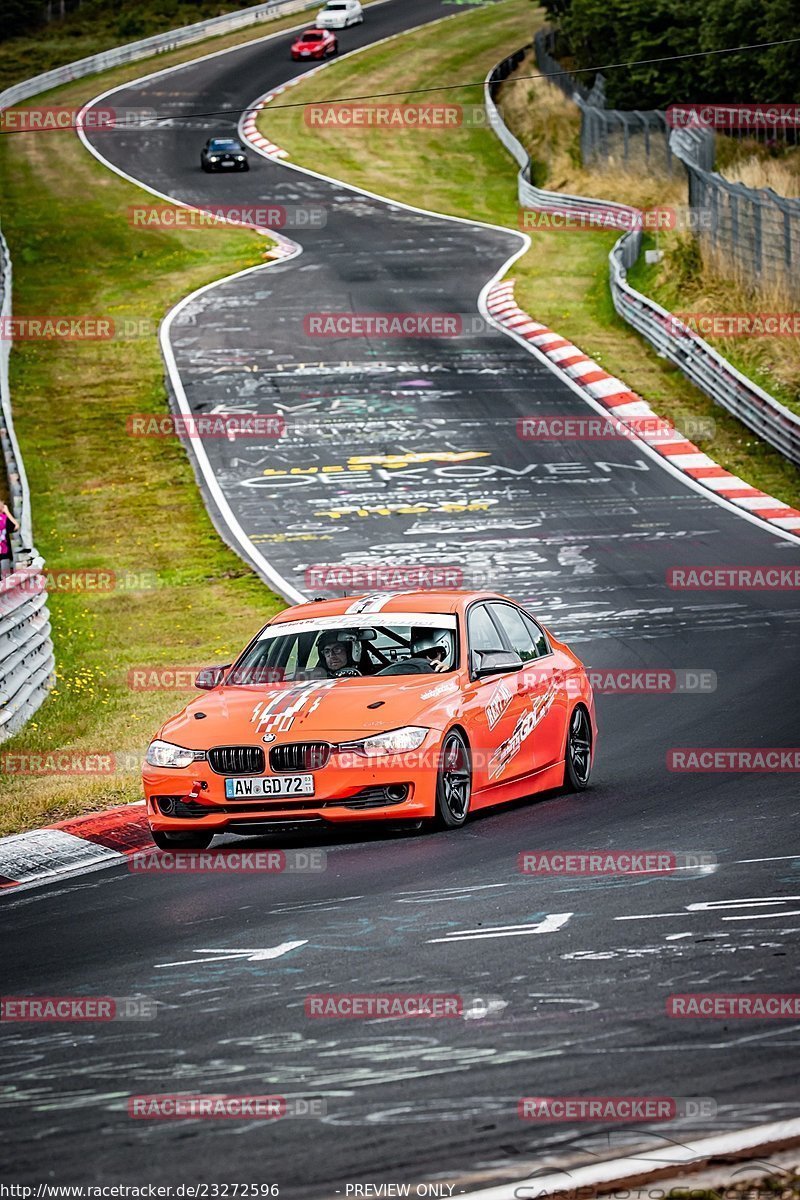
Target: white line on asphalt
[(777, 858), (663, 1160), (242, 955), (550, 924)]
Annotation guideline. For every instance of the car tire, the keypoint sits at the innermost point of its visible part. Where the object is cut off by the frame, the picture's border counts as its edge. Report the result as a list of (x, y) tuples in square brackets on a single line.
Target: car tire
[(578, 754), (453, 782), (181, 841)]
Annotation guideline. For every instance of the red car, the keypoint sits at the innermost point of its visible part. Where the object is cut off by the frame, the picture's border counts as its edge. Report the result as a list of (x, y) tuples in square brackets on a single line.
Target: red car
[(315, 43), (418, 707)]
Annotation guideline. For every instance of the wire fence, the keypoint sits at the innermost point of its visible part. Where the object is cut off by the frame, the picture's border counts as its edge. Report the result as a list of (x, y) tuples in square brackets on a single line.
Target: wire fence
[(751, 235), (610, 138), (698, 361)]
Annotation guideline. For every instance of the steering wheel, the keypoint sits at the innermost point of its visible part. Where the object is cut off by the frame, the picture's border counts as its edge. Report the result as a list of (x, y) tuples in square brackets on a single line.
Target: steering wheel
[(346, 672)]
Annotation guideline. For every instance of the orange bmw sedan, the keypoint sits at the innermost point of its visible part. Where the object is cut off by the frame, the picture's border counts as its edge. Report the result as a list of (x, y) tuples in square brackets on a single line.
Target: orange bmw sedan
[(415, 707)]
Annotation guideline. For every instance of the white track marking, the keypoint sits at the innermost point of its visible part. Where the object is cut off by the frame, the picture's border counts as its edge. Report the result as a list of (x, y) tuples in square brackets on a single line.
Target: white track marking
[(714, 906), (663, 1159), (551, 923), (778, 858), (242, 955)]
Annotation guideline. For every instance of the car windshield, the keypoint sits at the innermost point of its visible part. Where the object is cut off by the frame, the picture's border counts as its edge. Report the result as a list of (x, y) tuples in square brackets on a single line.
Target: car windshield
[(364, 646), (334, 7), (313, 35), (223, 144)]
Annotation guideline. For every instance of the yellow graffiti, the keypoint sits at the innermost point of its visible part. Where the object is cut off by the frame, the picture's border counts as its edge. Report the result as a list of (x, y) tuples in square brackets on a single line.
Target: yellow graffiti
[(390, 510), (390, 462)]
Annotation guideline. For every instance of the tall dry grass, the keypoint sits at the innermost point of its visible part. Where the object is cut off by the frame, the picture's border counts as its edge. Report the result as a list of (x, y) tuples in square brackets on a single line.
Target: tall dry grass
[(689, 278)]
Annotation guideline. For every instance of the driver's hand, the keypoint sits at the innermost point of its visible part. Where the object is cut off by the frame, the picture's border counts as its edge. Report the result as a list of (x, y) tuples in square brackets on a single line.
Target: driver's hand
[(440, 665)]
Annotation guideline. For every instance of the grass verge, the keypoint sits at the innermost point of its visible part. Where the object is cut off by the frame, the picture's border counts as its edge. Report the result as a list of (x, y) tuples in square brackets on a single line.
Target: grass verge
[(101, 499), (464, 171)]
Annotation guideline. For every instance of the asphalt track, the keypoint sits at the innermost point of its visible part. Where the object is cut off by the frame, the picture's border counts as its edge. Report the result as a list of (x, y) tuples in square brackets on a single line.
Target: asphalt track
[(584, 533)]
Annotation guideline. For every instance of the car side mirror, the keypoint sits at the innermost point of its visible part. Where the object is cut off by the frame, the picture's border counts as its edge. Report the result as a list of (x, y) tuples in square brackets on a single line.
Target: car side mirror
[(210, 677), (494, 662)]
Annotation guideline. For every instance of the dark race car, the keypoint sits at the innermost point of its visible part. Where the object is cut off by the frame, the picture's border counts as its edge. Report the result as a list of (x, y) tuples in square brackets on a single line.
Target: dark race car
[(223, 154), (315, 43)]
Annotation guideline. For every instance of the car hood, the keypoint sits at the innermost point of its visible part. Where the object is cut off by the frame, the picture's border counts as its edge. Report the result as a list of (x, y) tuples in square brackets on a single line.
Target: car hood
[(325, 710)]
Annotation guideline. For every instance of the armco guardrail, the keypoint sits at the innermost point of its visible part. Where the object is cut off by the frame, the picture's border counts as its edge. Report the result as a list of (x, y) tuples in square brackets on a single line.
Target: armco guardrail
[(26, 651), (700, 362), (159, 43), (712, 373)]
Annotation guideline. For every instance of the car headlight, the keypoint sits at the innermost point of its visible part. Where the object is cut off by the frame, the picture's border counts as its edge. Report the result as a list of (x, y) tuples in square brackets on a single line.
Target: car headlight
[(165, 754), (213, 158), (395, 741), (240, 158)]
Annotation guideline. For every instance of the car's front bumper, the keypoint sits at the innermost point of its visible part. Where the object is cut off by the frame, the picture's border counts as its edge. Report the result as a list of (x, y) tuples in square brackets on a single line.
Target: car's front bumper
[(401, 787)]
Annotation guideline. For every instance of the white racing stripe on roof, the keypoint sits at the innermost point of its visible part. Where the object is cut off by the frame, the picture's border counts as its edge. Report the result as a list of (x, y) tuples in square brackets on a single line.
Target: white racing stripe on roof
[(361, 621), (376, 601)]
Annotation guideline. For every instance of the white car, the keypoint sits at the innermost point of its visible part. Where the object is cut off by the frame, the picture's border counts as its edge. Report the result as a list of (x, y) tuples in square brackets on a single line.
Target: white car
[(338, 14)]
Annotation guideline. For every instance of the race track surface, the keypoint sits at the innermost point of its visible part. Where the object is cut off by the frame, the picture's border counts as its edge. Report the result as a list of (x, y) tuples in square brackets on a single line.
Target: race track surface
[(582, 532)]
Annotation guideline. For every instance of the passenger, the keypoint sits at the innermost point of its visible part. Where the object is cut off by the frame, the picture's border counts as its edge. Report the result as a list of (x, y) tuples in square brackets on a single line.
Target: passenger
[(430, 650)]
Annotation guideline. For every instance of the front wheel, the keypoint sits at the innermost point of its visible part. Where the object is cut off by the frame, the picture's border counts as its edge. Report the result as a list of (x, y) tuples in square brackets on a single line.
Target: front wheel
[(453, 782), (181, 841), (578, 759)]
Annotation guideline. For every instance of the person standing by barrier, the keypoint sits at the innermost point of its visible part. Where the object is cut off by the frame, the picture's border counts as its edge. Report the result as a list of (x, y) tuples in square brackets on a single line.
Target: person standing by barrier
[(7, 519)]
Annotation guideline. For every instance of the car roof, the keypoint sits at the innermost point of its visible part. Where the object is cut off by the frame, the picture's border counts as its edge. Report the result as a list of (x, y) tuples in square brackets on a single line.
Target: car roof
[(450, 600)]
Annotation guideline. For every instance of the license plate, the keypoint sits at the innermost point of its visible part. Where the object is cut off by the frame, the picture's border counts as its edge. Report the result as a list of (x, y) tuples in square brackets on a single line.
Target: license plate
[(271, 785), (304, 53), (228, 164)]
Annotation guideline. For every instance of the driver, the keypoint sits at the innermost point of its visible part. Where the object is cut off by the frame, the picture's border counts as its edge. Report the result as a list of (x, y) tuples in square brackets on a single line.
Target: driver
[(335, 654), (430, 651)]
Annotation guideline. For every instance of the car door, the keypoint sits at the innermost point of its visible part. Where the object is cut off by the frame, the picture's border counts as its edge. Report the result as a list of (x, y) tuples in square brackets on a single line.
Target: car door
[(541, 687), (492, 708)]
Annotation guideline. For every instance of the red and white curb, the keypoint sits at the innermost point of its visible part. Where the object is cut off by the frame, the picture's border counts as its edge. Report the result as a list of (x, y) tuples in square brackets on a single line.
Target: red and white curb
[(249, 127), (76, 845), (624, 404)]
